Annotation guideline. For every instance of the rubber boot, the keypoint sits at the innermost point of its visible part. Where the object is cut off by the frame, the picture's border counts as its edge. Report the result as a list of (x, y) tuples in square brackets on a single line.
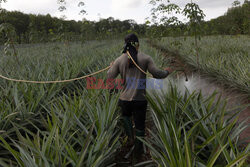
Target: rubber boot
[(128, 127)]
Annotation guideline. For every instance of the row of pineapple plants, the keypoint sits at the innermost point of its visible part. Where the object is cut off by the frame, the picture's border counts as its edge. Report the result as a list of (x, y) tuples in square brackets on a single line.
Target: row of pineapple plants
[(43, 125), (225, 58)]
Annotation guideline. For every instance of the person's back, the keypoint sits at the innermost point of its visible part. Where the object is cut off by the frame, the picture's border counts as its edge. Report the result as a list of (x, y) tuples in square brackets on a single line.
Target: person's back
[(134, 79), (132, 99)]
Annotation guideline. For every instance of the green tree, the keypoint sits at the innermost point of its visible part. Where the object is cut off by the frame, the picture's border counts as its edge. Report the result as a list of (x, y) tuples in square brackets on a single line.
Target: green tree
[(19, 20)]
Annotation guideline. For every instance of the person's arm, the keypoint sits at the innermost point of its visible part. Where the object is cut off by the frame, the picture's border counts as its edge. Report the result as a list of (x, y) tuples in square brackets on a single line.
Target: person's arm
[(114, 70), (111, 75), (157, 73)]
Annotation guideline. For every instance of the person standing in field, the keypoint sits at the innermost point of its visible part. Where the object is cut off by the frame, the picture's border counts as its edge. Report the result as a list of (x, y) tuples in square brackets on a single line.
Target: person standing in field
[(132, 99)]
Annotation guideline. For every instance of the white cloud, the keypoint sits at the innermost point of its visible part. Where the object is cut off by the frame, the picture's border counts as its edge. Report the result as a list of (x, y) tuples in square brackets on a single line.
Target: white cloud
[(119, 9), (45, 7), (126, 4), (31, 6), (136, 10)]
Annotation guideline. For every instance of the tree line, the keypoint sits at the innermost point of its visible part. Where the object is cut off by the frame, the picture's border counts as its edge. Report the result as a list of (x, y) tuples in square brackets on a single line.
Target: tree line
[(44, 28), (235, 21), (30, 28)]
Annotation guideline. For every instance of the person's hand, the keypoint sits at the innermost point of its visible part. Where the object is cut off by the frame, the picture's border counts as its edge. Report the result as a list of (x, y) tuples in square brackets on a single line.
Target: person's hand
[(170, 70)]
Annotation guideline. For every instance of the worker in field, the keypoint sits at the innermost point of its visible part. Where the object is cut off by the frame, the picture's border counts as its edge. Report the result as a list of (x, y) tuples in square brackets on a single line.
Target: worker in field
[(132, 99)]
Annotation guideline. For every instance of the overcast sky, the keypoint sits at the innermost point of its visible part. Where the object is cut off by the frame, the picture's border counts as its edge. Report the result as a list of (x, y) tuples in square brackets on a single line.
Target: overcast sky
[(137, 10)]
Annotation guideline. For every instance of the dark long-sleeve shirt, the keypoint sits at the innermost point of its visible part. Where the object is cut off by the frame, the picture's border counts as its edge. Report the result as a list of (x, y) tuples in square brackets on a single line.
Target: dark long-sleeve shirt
[(133, 86)]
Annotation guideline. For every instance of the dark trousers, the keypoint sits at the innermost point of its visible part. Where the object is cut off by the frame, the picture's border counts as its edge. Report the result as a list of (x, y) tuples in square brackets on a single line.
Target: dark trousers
[(137, 109)]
